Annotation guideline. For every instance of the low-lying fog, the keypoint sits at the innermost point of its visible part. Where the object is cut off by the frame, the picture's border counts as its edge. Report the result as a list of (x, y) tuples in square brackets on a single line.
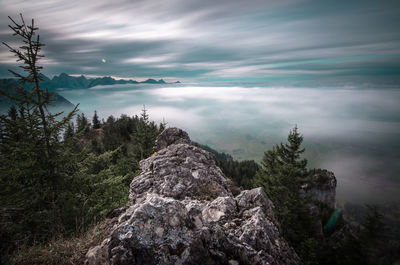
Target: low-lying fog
[(352, 131)]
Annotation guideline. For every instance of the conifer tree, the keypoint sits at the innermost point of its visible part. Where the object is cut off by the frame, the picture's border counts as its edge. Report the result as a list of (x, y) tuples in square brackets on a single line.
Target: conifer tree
[(282, 173), (32, 157), (69, 131), (82, 123), (282, 170), (145, 139), (95, 121)]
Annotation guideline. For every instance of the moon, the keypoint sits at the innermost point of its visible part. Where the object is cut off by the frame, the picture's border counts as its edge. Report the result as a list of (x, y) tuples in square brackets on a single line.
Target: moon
[(104, 60)]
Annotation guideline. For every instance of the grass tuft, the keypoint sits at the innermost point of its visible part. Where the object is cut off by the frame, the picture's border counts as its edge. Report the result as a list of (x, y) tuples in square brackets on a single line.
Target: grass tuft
[(61, 250)]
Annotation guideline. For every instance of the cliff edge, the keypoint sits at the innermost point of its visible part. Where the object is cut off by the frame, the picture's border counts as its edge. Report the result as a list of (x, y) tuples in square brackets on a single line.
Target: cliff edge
[(182, 211)]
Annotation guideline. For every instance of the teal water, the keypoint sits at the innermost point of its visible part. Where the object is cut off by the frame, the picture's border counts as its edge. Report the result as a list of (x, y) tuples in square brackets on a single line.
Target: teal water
[(353, 131)]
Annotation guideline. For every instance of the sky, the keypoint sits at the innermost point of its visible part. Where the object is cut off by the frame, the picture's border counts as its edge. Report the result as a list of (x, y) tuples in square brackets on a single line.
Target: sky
[(290, 42)]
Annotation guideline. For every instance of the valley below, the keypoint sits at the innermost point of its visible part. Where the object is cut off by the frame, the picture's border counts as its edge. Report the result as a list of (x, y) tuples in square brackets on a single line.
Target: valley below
[(352, 131)]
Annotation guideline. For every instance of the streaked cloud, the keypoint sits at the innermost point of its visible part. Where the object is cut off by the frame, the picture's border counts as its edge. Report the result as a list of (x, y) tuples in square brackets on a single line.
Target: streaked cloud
[(271, 41), (147, 60)]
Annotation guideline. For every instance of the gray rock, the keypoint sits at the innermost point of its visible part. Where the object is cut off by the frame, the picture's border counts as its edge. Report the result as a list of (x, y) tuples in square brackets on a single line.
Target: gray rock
[(171, 136), (322, 184), (183, 212), (179, 171)]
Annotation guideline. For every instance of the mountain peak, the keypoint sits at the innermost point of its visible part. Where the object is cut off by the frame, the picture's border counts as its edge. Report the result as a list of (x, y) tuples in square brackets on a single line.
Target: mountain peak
[(63, 75), (43, 77)]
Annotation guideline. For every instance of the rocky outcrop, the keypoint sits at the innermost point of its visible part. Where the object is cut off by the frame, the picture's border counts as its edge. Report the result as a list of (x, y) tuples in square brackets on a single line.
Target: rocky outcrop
[(183, 212), (322, 184), (170, 137)]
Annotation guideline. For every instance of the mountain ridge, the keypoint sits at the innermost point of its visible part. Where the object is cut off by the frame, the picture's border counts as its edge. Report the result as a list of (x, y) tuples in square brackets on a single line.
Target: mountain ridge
[(8, 86), (64, 80)]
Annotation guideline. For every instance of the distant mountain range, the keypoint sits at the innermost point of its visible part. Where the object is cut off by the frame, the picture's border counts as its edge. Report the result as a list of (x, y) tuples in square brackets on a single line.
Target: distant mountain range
[(65, 81), (71, 82), (59, 104)]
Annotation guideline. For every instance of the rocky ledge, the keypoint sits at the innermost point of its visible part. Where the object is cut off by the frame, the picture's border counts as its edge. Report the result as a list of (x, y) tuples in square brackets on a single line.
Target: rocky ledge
[(183, 212), (322, 184)]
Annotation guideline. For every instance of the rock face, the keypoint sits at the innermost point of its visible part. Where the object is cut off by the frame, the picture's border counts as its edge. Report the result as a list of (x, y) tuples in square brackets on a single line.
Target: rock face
[(183, 212), (322, 184), (170, 137)]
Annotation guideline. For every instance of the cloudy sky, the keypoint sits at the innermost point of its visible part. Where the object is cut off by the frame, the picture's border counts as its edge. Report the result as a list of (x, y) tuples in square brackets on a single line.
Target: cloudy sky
[(289, 41)]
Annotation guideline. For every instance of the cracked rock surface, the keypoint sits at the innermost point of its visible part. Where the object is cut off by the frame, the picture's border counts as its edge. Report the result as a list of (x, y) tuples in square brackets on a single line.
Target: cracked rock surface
[(182, 212)]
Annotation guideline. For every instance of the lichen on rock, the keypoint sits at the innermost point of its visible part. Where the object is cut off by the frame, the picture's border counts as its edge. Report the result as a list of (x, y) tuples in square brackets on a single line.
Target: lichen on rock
[(183, 212)]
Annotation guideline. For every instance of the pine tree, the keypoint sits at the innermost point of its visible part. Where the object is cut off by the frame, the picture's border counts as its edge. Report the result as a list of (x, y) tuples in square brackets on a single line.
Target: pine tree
[(82, 123), (282, 174), (33, 162), (69, 131), (95, 121), (282, 170), (145, 140)]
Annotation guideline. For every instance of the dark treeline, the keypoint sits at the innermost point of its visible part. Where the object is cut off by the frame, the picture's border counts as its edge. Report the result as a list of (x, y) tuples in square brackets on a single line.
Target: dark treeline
[(240, 172), (136, 134)]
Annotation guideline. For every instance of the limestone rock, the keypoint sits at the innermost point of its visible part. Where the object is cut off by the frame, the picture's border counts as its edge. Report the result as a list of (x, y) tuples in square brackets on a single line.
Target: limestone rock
[(171, 136), (180, 171), (322, 184), (183, 212)]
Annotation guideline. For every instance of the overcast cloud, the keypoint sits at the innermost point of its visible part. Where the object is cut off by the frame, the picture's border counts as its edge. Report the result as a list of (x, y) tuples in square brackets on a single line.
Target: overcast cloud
[(291, 41)]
